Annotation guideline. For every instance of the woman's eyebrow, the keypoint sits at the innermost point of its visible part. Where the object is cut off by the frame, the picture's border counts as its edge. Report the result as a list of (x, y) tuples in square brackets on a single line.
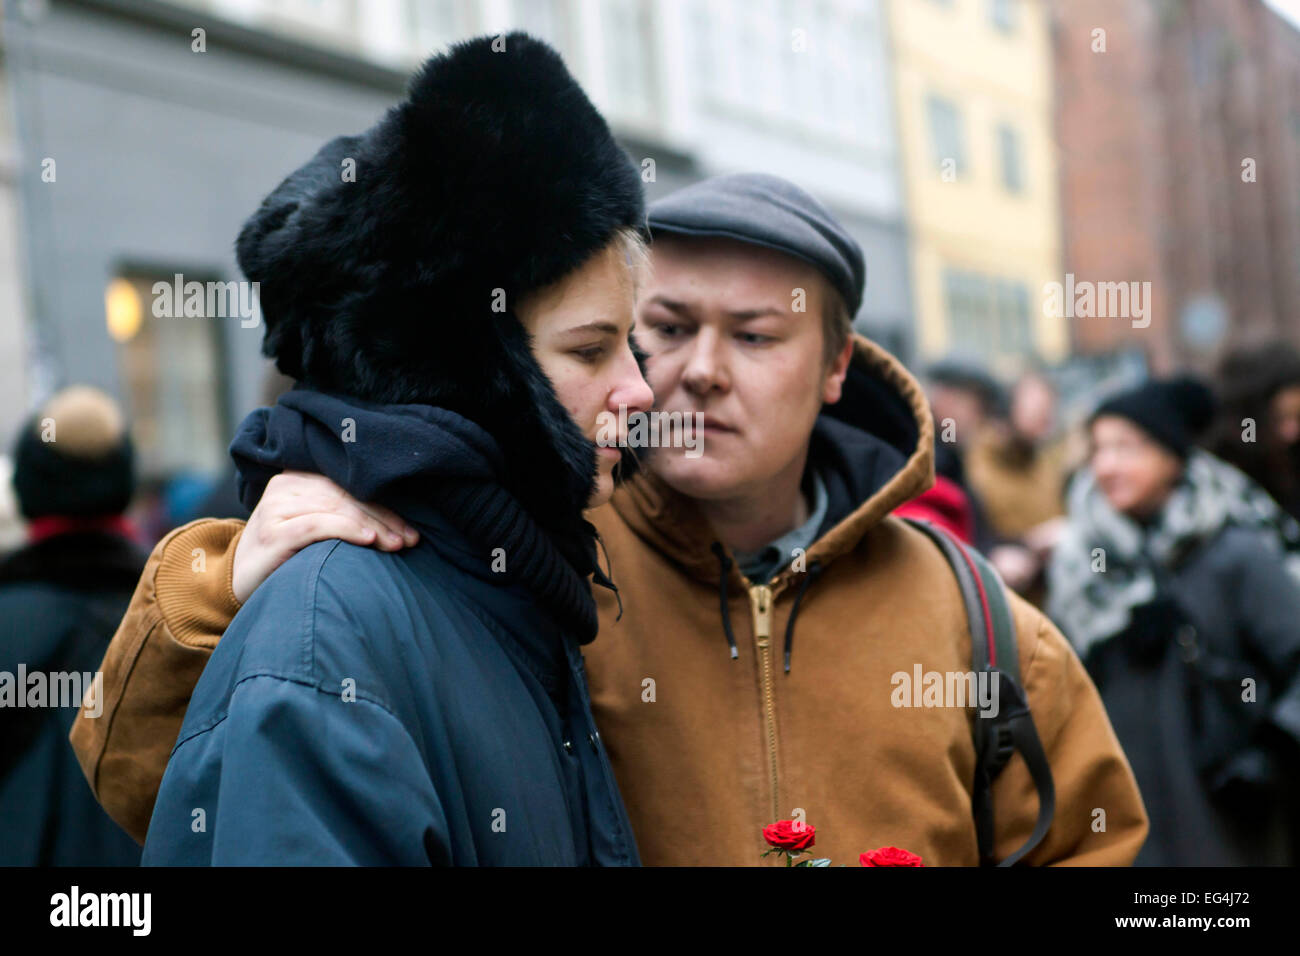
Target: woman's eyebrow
[(607, 327)]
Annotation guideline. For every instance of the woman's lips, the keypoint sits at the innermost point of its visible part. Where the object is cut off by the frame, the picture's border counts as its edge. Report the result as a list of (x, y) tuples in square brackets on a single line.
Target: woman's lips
[(610, 450)]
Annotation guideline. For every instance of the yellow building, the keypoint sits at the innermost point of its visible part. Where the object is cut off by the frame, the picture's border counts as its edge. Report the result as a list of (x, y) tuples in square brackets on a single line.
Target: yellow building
[(973, 86)]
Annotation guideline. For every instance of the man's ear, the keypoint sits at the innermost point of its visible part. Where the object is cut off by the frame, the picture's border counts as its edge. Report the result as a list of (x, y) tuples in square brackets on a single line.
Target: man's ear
[(833, 387)]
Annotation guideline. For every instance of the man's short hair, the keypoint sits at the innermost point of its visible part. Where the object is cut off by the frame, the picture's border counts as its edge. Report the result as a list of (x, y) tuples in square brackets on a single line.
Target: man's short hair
[(837, 323)]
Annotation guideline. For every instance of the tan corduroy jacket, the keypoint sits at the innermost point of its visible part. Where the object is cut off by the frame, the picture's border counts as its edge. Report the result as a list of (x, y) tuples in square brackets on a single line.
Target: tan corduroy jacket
[(708, 749)]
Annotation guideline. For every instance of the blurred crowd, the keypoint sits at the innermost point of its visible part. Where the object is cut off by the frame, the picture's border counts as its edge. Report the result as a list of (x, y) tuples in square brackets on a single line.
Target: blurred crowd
[(1160, 534)]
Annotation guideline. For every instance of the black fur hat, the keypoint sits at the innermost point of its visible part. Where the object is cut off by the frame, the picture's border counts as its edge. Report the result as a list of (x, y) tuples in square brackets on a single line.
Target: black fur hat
[(496, 176)]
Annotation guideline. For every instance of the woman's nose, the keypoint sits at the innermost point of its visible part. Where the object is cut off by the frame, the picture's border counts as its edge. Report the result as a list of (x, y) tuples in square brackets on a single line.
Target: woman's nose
[(632, 389)]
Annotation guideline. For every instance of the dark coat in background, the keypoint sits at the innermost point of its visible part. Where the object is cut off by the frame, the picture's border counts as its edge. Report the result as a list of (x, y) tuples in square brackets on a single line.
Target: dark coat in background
[(1222, 771), (60, 602)]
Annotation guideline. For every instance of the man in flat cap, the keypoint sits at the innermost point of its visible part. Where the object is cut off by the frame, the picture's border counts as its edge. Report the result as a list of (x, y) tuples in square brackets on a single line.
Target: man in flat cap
[(768, 598)]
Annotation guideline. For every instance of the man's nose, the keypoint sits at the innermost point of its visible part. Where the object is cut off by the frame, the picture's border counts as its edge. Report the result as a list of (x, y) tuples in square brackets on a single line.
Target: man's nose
[(705, 368)]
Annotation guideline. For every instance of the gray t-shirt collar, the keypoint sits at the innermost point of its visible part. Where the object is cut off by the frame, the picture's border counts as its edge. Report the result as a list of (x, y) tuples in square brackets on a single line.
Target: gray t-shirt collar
[(761, 565)]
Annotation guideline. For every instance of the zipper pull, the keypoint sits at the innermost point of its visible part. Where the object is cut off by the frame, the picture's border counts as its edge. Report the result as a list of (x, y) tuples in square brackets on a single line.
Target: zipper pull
[(760, 603)]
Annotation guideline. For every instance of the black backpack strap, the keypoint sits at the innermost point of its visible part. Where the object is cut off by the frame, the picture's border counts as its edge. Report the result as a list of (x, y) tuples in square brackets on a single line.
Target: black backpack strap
[(997, 737)]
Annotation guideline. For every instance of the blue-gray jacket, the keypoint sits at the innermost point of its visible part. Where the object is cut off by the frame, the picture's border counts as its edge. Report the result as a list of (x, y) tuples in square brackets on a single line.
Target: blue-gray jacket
[(424, 707)]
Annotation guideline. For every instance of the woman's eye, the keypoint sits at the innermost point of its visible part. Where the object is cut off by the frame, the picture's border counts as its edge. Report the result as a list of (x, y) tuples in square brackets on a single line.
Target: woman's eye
[(590, 354), (667, 330), (753, 338)]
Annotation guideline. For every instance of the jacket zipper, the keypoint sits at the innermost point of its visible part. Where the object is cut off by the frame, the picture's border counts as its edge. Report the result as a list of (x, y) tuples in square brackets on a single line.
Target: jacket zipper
[(760, 602)]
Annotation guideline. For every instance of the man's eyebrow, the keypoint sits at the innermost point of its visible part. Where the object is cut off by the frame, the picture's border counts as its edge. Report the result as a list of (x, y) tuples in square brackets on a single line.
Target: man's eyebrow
[(672, 305), (739, 315), (743, 315)]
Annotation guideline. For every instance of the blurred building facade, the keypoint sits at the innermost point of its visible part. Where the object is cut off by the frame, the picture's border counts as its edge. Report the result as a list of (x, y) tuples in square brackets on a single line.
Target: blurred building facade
[(13, 316), (143, 145), (146, 131), (974, 100), (1179, 125)]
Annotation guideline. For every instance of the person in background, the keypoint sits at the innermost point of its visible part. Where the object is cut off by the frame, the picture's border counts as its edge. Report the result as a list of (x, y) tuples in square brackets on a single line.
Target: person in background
[(1173, 582), (61, 597), (1016, 466), (964, 398), (1258, 429)]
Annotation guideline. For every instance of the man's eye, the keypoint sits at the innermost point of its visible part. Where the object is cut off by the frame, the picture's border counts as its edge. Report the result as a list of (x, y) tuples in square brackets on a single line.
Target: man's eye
[(753, 338)]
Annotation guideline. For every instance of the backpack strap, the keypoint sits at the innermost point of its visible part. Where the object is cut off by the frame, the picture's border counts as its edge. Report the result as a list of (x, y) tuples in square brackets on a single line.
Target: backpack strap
[(997, 737)]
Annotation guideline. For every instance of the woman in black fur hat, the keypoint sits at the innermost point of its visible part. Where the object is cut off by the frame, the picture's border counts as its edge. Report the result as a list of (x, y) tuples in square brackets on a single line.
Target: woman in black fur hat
[(1178, 580), (453, 289)]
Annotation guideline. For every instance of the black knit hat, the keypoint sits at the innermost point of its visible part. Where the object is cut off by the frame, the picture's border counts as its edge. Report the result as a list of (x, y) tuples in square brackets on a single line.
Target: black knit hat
[(1173, 412), (74, 458), (390, 264)]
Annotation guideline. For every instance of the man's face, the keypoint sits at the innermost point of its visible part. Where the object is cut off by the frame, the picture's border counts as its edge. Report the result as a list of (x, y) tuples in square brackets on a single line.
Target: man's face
[(718, 321), (961, 406)]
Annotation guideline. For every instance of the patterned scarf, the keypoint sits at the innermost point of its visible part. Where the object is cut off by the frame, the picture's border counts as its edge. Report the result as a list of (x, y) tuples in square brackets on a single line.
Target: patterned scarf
[(1104, 566)]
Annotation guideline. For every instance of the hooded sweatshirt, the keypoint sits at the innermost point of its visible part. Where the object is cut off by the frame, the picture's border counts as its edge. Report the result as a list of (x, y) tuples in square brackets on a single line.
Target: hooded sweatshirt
[(413, 708), (710, 734)]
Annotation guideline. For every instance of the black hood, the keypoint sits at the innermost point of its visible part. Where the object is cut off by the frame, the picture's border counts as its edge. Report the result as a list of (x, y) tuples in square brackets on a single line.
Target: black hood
[(414, 458), (862, 441)]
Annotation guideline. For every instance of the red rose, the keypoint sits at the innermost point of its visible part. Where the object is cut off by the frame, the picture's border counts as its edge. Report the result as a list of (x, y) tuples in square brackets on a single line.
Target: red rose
[(789, 835), (889, 856)]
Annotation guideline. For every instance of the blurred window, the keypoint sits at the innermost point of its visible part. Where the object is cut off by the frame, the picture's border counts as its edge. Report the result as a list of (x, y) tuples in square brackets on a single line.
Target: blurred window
[(1013, 175), (1014, 330), (436, 23), (946, 132), (332, 22), (629, 38), (987, 316), (546, 19), (967, 296), (1003, 14), (173, 382)]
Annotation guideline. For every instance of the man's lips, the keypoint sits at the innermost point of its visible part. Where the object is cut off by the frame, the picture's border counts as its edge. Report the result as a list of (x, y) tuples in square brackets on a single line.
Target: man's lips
[(711, 424)]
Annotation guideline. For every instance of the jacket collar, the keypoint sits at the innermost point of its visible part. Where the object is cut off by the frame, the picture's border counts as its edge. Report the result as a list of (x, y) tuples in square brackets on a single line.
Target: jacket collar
[(883, 413), (86, 560), (418, 457)]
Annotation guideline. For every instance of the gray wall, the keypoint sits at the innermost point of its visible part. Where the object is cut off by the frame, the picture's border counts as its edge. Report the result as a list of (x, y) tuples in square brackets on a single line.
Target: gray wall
[(161, 154)]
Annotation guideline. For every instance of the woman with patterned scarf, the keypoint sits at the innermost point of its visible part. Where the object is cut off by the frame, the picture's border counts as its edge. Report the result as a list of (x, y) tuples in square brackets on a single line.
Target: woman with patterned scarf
[(1178, 580)]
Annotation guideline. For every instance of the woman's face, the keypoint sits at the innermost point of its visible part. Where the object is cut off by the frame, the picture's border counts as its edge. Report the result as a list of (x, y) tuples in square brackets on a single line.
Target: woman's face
[(580, 329), (1285, 410), (1134, 472)]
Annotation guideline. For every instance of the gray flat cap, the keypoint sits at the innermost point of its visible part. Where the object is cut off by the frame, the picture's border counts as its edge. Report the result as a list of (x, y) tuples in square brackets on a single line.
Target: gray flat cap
[(766, 211)]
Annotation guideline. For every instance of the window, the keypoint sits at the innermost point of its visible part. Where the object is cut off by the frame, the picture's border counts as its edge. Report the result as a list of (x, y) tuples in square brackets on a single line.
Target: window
[(1013, 175), (946, 134), (967, 297), (987, 316), (172, 377), (1003, 14), (1012, 305), (436, 23), (546, 19), (628, 37)]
